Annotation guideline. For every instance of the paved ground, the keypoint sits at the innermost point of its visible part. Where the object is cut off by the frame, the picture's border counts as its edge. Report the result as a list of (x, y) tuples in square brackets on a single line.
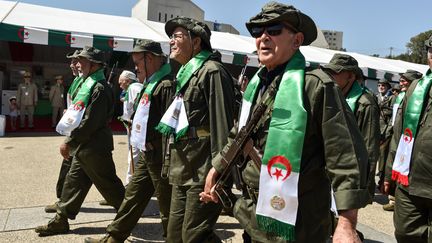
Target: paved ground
[(28, 172)]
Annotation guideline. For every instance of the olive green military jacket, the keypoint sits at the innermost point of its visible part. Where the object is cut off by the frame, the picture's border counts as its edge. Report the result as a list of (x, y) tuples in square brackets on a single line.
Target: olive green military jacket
[(367, 116), (420, 176), (27, 95), (93, 131), (386, 110), (161, 98), (56, 96), (209, 103), (334, 154)]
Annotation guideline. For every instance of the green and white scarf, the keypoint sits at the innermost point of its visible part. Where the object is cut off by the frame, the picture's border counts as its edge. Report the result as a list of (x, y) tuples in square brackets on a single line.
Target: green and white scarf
[(411, 118), (140, 121), (72, 89), (175, 120), (74, 114), (396, 105), (354, 95), (277, 204)]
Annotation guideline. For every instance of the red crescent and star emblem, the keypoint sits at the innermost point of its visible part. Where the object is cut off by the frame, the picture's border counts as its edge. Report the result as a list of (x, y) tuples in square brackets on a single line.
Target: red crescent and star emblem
[(79, 106), (23, 34), (112, 43), (279, 159), (408, 135), (145, 99), (69, 39)]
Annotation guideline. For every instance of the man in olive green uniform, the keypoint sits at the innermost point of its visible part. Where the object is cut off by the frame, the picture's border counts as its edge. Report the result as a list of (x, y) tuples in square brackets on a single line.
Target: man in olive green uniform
[(404, 82), (385, 100), (90, 144), (56, 95), (409, 162), (202, 116), (333, 147), (150, 65), (344, 68), (66, 163), (27, 98)]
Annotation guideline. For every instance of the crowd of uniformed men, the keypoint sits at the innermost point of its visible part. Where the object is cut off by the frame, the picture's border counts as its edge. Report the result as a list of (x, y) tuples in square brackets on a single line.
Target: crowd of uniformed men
[(316, 146)]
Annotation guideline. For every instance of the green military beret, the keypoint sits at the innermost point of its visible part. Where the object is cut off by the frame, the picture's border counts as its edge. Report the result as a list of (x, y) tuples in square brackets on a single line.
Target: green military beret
[(342, 62), (428, 43), (143, 45), (411, 75), (274, 12), (92, 54), (73, 54), (196, 27)]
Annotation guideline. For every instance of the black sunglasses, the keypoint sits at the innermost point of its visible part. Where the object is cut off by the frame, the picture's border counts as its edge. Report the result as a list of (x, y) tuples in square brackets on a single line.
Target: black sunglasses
[(272, 30)]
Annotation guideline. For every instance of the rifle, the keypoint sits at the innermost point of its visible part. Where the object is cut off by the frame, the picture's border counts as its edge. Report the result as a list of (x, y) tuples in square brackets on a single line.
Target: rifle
[(243, 146), (111, 75)]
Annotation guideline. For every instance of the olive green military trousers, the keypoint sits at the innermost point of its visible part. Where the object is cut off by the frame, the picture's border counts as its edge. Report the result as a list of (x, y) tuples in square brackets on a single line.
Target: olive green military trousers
[(412, 218), (190, 220), (64, 169), (145, 182), (90, 166)]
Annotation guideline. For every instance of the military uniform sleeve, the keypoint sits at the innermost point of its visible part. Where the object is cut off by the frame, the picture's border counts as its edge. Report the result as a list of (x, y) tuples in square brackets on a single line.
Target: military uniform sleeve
[(344, 150), (220, 98), (370, 130), (94, 118), (217, 160)]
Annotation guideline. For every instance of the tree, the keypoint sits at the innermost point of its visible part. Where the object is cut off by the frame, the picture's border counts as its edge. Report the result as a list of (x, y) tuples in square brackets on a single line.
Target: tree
[(416, 47), (416, 50)]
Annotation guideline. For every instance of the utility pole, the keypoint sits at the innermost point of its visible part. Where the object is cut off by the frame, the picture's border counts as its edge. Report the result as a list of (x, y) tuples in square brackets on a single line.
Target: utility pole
[(391, 51)]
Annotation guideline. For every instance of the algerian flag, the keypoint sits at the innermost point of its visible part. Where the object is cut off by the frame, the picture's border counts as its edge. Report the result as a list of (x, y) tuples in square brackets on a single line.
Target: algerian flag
[(23, 34), (75, 112), (112, 43), (175, 120), (70, 39), (411, 119)]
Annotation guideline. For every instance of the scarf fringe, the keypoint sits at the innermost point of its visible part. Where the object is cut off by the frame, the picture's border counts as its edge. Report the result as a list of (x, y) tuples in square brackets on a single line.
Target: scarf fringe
[(401, 179), (284, 230), (181, 133), (164, 129)]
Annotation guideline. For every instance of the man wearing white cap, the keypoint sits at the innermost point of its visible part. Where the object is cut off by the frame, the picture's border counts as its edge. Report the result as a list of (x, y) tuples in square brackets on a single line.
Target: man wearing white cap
[(128, 82)]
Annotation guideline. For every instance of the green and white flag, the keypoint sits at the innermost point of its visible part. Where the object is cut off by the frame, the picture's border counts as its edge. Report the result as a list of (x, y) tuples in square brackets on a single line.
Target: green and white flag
[(411, 119), (175, 120), (75, 112), (23, 34), (139, 123), (112, 43), (277, 204)]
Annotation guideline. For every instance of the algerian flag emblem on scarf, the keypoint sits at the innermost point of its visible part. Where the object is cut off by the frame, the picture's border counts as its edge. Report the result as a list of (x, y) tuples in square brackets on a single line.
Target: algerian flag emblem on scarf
[(75, 112), (411, 118), (139, 123), (353, 96), (277, 204), (396, 105), (175, 120)]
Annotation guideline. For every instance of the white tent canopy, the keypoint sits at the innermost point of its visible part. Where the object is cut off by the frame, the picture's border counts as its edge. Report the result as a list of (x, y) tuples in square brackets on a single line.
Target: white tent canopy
[(46, 19)]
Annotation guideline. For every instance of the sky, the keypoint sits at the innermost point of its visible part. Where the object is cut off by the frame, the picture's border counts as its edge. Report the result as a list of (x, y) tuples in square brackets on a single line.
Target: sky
[(369, 27)]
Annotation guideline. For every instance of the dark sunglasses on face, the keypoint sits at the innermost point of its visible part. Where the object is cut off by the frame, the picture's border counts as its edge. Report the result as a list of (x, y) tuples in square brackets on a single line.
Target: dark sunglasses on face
[(272, 30)]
